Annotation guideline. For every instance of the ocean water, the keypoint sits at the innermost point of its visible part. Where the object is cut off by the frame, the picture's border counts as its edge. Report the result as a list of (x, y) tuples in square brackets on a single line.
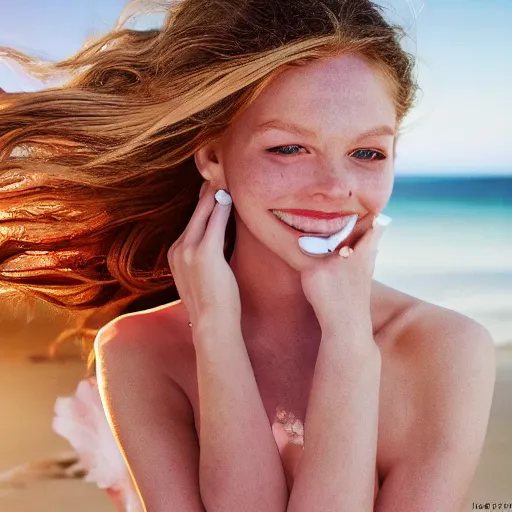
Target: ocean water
[(450, 243)]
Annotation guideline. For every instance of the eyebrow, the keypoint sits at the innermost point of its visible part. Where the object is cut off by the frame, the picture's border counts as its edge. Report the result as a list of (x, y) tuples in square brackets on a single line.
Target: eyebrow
[(307, 132)]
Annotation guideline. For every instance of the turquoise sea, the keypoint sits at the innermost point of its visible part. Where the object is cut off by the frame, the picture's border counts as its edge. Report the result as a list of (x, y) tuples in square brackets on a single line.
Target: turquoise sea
[(450, 243)]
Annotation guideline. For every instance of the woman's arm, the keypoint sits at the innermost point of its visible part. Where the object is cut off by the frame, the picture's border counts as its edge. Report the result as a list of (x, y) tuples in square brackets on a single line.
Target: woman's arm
[(236, 464), (337, 469), (150, 416), (240, 467)]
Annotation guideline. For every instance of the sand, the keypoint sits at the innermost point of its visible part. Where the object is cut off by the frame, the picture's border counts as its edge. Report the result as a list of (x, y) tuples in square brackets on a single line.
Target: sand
[(28, 391)]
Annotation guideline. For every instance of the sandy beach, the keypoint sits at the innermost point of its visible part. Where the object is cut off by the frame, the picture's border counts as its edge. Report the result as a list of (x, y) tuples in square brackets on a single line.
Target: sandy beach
[(28, 391)]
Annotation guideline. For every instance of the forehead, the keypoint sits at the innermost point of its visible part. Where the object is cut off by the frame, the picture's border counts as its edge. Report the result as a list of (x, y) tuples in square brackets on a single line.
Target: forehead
[(335, 92)]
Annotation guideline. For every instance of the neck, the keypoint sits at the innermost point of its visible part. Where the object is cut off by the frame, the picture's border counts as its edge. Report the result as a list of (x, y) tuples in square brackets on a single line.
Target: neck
[(276, 316), (274, 307)]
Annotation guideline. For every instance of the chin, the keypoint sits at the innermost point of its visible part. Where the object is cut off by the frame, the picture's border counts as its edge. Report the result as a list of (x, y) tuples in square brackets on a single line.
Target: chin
[(294, 257)]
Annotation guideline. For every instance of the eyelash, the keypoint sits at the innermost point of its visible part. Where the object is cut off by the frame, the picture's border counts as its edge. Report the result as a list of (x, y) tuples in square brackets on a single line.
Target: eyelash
[(274, 150)]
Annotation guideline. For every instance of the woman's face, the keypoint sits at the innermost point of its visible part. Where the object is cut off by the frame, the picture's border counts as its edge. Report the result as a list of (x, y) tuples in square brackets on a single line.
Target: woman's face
[(269, 168)]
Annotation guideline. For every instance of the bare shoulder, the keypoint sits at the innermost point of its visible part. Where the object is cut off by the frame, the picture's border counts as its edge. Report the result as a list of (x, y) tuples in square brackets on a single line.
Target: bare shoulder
[(148, 410), (453, 366), (444, 372), (421, 331), (442, 350), (157, 335), (437, 337)]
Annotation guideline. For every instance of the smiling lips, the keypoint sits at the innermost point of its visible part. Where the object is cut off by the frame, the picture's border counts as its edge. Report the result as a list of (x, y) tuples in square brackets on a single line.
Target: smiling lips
[(316, 214), (313, 225)]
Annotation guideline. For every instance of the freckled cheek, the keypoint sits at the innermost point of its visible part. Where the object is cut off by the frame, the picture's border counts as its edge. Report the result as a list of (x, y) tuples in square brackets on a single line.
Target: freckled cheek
[(259, 183)]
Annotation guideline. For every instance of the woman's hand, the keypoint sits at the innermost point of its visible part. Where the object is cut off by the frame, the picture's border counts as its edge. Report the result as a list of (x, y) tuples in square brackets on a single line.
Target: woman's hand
[(203, 277), (339, 288)]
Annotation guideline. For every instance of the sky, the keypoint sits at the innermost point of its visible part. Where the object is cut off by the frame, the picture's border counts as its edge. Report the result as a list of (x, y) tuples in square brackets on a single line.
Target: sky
[(462, 124)]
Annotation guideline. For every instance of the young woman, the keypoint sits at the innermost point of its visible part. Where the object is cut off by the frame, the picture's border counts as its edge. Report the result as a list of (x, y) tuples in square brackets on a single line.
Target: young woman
[(279, 380)]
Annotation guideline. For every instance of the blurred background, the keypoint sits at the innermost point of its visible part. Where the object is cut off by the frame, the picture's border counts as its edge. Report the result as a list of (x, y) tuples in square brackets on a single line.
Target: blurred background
[(450, 242)]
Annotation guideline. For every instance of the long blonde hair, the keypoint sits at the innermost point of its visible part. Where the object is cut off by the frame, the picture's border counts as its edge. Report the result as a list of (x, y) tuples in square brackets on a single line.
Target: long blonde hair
[(97, 176)]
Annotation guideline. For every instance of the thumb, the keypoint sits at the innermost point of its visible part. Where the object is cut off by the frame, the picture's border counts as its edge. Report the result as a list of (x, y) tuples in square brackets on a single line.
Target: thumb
[(380, 223), (371, 239), (379, 233)]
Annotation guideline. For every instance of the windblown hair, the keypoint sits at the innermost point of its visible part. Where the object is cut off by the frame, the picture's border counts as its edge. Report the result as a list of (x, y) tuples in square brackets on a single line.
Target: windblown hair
[(97, 176)]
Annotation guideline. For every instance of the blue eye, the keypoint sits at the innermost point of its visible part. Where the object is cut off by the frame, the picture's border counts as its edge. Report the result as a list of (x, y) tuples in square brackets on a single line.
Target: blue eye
[(382, 157), (277, 149), (379, 156)]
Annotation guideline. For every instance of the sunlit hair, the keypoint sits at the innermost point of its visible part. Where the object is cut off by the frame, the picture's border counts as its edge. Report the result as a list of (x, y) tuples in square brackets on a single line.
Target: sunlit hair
[(97, 175)]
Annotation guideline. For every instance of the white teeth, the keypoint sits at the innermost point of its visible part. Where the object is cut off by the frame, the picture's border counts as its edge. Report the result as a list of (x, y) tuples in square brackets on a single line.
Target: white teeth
[(325, 227), (318, 245), (337, 238)]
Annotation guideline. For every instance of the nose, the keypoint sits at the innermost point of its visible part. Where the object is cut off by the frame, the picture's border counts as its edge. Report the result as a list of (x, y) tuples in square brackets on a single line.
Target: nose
[(332, 185)]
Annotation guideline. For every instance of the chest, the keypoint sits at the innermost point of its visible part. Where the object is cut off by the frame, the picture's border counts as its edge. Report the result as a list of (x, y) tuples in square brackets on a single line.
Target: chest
[(284, 387)]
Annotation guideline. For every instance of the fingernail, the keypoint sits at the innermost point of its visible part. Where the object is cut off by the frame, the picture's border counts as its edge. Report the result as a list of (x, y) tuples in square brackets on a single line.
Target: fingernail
[(223, 197), (382, 220), (346, 251)]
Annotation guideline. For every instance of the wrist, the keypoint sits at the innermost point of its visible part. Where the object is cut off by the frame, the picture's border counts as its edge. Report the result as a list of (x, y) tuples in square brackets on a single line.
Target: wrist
[(215, 327), (348, 323), (355, 334)]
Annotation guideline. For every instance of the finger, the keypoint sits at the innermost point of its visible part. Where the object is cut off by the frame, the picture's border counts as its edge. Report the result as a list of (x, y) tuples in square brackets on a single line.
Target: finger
[(345, 251), (361, 227), (204, 186), (369, 242), (196, 228), (202, 190), (216, 230)]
